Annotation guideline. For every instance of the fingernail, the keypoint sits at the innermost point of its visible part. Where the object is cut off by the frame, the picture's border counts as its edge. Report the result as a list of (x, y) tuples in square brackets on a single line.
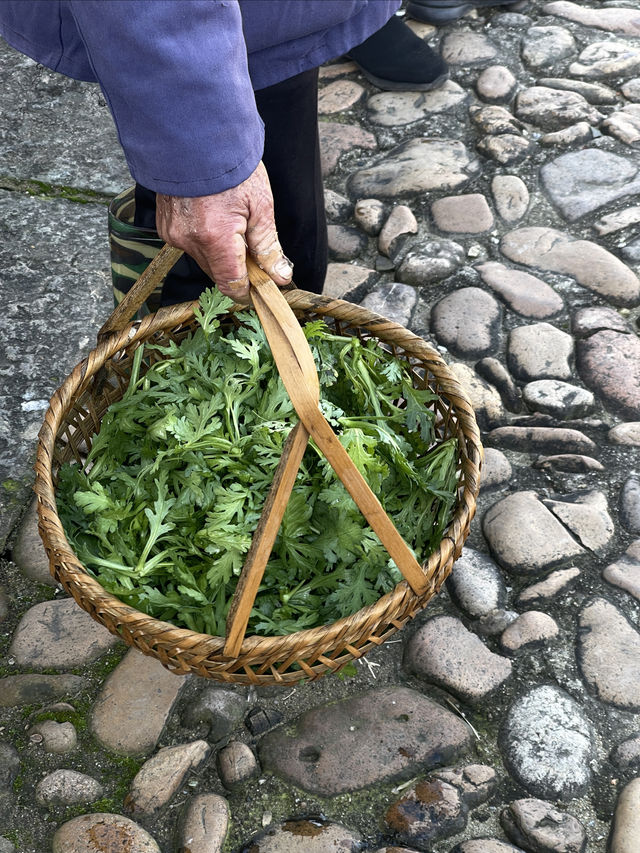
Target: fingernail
[(283, 267)]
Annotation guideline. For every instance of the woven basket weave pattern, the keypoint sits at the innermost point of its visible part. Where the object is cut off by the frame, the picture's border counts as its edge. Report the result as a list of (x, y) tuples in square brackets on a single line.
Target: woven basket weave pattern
[(74, 416)]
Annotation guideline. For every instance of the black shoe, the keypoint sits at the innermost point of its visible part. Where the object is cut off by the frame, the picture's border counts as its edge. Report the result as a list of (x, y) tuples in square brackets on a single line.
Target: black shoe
[(396, 59), (440, 12)]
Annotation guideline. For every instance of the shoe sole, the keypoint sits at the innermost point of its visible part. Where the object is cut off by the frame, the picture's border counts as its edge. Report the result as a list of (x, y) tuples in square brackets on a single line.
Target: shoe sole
[(446, 15), (393, 86)]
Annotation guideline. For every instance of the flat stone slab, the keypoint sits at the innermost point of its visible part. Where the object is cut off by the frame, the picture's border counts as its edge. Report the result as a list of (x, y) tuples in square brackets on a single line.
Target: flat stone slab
[(330, 750), (445, 653), (592, 266), (24, 689), (28, 551), (554, 109), (625, 571), (606, 59), (581, 182), (205, 824), (536, 825), (162, 775), (66, 136), (510, 196), (539, 351), (541, 440), (609, 364), (614, 20), (394, 301), (586, 515), (414, 167), (546, 742), (305, 836), (625, 829), (476, 583), (609, 654), (467, 322), (394, 109), (525, 537), (45, 327), (426, 813), (142, 692), (336, 138), (59, 635)]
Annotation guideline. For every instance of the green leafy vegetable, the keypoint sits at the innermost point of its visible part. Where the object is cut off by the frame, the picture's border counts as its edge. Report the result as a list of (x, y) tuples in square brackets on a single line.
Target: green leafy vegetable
[(164, 509)]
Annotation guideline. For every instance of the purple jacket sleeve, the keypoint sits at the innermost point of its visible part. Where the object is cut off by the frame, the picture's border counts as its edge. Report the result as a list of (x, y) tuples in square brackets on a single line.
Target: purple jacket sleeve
[(182, 60)]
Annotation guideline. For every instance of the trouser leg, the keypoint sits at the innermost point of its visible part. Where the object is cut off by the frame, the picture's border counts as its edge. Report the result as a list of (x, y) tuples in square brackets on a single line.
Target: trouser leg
[(292, 159)]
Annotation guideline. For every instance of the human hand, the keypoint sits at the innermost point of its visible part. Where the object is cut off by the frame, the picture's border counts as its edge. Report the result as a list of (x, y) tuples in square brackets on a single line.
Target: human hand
[(217, 230)]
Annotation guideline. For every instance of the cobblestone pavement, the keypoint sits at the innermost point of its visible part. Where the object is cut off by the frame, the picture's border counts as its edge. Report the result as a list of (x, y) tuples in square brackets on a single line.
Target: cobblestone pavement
[(498, 217)]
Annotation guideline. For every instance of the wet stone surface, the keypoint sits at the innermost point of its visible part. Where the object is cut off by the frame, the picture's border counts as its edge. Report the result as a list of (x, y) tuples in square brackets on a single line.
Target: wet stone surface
[(497, 217)]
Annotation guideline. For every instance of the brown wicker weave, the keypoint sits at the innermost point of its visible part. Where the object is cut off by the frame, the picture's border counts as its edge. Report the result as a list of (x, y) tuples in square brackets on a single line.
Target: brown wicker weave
[(74, 416)]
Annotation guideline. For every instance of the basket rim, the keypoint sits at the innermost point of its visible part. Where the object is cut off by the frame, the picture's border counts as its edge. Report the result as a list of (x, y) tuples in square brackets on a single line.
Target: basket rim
[(139, 332)]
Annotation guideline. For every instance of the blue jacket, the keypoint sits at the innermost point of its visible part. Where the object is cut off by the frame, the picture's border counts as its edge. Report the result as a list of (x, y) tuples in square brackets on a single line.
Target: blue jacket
[(179, 75)]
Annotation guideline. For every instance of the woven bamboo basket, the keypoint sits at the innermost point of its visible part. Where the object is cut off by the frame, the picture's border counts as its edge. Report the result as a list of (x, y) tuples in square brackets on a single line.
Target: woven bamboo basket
[(74, 416)]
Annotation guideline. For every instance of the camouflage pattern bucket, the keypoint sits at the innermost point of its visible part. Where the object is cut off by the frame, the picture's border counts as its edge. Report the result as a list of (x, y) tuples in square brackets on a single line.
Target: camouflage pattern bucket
[(132, 250)]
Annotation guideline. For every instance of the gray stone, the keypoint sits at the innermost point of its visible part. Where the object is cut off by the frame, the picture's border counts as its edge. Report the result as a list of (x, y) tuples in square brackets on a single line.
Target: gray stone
[(510, 197), (462, 214), (496, 469), (28, 551), (445, 653), (539, 827), (546, 742), (426, 813), (337, 138), (9, 764), (594, 93), (609, 363), (541, 440), (560, 399), (5, 605), (596, 318), (539, 351), (617, 221), (609, 654), (532, 628), (626, 755), (467, 48), (615, 20), (625, 571), (467, 322), (576, 134), (550, 586), (205, 824), (579, 183), (586, 515), (102, 832), (630, 505), (497, 375), (544, 47), (572, 463), (495, 622), (312, 835), (624, 125), (625, 434), (6, 846), (631, 89), (475, 782), (476, 584), (625, 829), (416, 166), (395, 109), (345, 243), (496, 84), (369, 213), (631, 252), (343, 280), (394, 301), (220, 709), (605, 59), (236, 764), (399, 225), (68, 119), (44, 337), (25, 689), (432, 262), (160, 777), (554, 109), (525, 537), (141, 691), (495, 120), (58, 738), (59, 635), (329, 750), (508, 149), (486, 401), (67, 788), (336, 206), (485, 845)]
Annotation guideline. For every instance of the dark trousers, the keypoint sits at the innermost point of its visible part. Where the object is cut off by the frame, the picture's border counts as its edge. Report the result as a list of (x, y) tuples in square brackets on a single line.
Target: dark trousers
[(291, 157)]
